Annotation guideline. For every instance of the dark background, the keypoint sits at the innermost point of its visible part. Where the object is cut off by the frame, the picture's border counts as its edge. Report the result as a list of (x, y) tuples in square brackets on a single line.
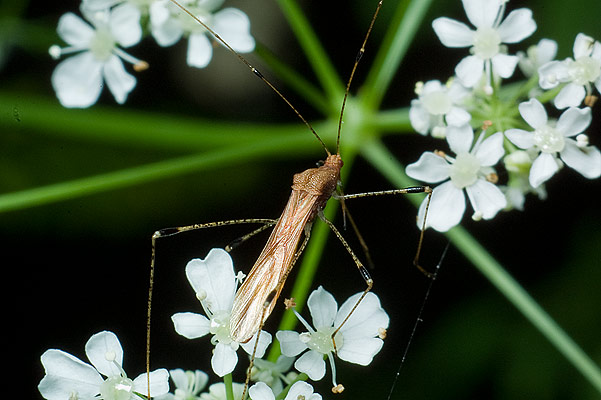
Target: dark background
[(76, 267)]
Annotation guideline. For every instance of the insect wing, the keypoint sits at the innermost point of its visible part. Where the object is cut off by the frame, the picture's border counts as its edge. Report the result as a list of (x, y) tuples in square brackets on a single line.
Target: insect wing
[(267, 276)]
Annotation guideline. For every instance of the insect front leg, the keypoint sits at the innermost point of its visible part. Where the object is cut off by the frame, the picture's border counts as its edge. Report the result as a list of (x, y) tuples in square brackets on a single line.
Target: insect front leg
[(175, 230)]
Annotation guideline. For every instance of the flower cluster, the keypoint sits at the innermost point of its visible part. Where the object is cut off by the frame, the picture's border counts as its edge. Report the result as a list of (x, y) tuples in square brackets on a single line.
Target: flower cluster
[(110, 26), (518, 144), (214, 282)]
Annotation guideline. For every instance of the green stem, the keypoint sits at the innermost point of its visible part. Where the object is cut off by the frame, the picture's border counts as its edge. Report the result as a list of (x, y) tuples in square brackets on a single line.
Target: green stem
[(316, 54), (381, 159), (149, 172), (516, 294), (128, 128), (229, 387), (406, 21), (295, 81)]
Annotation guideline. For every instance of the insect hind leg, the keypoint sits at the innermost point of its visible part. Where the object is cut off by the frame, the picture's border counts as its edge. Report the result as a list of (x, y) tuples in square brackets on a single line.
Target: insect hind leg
[(408, 190)]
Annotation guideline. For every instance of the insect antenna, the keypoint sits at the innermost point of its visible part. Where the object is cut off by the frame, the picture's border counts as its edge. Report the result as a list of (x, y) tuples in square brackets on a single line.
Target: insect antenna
[(350, 80), (254, 71)]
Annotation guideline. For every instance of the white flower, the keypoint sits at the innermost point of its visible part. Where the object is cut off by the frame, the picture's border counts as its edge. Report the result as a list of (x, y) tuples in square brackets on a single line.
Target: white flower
[(357, 340), (273, 373), (214, 282), (169, 24), (217, 391), (518, 163), (188, 385), (300, 390), (468, 170), (67, 377), (438, 105), (552, 140), (579, 73), (486, 41), (536, 56), (78, 80)]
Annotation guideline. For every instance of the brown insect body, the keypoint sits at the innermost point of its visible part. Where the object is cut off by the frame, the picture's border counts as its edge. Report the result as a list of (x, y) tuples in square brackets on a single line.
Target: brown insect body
[(311, 190)]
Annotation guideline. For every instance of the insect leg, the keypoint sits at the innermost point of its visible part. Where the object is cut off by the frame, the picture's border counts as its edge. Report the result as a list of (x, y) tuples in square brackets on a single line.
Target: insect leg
[(362, 270), (235, 243), (347, 214), (409, 190), (173, 231)]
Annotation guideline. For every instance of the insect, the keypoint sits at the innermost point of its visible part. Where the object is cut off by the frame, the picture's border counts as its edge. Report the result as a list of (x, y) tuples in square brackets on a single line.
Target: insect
[(311, 189)]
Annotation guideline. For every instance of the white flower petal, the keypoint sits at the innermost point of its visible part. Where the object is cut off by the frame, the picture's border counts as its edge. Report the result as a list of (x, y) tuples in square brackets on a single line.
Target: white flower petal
[(583, 45), (167, 33), (66, 374), (260, 391), (190, 325), (429, 168), (521, 138), (124, 24), (570, 95), (469, 70), (490, 150), (322, 307), (586, 161), (117, 79), (224, 359), (504, 65), (367, 319), (312, 364), (533, 113), (73, 30), (574, 121), (234, 27), (264, 341), (214, 278), (546, 51), (419, 117), (486, 198), (458, 116), (446, 208), (78, 80), (179, 377), (103, 350), (360, 351), (159, 13), (159, 383), (517, 26), (460, 138), (200, 51), (290, 343), (552, 74), (543, 168), (453, 33), (481, 13), (301, 390)]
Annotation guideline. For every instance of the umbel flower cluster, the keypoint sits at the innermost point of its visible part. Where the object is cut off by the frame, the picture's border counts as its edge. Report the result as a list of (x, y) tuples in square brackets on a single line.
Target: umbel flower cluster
[(215, 283), (526, 130), (96, 43)]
